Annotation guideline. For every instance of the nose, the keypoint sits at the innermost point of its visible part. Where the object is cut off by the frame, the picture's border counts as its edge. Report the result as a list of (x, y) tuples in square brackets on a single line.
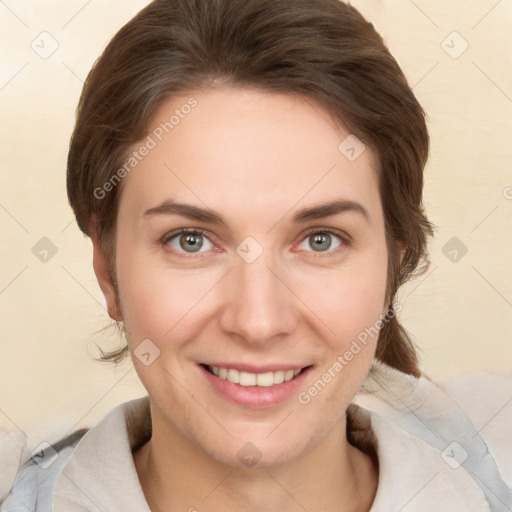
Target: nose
[(258, 304)]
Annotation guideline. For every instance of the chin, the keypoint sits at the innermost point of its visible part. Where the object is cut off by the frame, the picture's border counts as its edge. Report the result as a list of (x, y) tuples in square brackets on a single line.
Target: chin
[(269, 447), (257, 455)]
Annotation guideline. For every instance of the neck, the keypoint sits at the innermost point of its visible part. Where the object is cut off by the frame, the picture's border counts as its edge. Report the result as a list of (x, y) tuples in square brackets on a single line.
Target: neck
[(176, 475)]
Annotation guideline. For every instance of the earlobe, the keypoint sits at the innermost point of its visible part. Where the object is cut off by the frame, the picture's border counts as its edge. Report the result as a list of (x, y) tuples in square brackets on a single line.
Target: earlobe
[(104, 277)]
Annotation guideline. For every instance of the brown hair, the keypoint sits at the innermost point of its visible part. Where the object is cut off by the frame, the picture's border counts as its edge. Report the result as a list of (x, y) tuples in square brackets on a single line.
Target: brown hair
[(322, 50)]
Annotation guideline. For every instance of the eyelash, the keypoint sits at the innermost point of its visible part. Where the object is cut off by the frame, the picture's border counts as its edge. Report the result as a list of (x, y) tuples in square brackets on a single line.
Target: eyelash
[(344, 238)]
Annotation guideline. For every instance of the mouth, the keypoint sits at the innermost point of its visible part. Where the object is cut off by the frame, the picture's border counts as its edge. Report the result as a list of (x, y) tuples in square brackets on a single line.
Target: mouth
[(267, 379), (256, 387)]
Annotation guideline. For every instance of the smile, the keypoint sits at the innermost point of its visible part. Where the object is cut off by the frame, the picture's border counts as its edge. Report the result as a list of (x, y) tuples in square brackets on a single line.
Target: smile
[(254, 386), (267, 379)]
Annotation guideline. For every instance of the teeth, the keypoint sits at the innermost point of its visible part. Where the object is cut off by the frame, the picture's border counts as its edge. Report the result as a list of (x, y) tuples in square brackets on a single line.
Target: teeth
[(247, 379), (233, 376), (279, 377), (254, 379), (265, 379)]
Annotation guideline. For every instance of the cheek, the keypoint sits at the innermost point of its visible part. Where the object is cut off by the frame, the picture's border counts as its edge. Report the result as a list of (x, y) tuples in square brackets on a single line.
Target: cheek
[(358, 304), (349, 299), (352, 307), (157, 301)]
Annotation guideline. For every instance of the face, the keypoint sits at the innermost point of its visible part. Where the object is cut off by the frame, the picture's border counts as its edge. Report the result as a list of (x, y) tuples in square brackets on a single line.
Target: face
[(249, 246)]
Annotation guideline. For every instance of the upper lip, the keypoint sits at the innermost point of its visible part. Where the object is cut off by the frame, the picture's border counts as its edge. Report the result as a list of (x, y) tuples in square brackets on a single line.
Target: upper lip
[(264, 368)]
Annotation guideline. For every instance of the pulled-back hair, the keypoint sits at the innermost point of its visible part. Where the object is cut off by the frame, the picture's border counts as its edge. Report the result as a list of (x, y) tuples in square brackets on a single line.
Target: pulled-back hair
[(322, 50)]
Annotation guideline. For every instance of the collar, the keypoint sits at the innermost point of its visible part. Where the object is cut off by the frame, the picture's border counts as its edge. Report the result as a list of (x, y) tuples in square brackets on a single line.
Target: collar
[(100, 474)]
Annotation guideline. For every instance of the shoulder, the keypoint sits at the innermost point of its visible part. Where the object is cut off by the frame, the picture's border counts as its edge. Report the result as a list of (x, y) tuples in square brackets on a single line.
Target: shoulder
[(61, 476), (12, 444), (36, 476), (486, 398), (64, 475), (458, 430)]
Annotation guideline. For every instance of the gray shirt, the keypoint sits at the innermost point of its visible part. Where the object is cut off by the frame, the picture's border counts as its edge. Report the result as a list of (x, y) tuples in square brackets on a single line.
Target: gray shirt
[(418, 471)]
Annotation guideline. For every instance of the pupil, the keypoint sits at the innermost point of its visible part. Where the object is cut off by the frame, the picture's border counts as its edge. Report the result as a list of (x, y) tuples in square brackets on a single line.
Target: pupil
[(322, 241), (194, 242)]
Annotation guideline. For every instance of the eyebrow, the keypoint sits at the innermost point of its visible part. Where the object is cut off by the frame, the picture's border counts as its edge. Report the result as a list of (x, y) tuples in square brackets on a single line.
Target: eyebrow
[(209, 216)]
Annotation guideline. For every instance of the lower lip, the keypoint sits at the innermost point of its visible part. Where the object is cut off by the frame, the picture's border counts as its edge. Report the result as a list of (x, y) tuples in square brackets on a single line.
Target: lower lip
[(255, 396)]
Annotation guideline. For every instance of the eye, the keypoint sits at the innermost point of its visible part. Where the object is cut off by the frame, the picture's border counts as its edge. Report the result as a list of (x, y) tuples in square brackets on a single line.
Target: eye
[(323, 240), (188, 241)]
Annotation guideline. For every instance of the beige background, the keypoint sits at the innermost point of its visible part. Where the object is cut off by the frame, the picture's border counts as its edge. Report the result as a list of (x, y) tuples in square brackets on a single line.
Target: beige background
[(460, 313)]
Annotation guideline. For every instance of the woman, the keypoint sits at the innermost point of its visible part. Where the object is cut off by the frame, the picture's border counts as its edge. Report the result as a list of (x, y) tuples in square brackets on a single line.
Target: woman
[(250, 174)]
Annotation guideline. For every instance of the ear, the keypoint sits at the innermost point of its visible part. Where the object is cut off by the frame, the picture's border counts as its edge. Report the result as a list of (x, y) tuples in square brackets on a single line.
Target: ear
[(105, 281)]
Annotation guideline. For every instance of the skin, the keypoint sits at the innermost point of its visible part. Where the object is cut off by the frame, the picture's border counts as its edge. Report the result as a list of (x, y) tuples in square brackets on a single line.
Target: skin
[(255, 158)]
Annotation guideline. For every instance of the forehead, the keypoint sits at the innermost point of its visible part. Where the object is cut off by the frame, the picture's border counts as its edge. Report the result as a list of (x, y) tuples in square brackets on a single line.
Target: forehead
[(235, 148)]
